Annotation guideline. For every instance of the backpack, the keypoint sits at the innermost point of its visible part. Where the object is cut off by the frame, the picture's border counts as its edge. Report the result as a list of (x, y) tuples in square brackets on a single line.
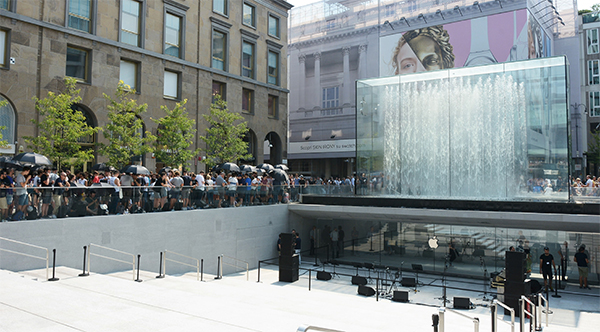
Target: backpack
[(18, 216)]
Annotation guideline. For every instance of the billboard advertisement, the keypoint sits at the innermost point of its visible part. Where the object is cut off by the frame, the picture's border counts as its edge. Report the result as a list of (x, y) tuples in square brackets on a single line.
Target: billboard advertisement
[(496, 38)]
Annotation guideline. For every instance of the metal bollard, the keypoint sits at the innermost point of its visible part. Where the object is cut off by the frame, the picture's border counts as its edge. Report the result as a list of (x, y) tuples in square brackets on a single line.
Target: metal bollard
[(556, 283), (218, 268), (54, 278), (84, 274), (138, 269), (202, 269), (494, 312), (436, 321), (160, 274)]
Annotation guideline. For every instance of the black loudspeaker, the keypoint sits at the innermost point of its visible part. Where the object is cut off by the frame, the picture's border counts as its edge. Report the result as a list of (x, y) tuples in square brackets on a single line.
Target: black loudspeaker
[(536, 287), (400, 296), (358, 280), (287, 244), (289, 262), (462, 303), (479, 252), (408, 282), (365, 290), (515, 266), (288, 275), (288, 268), (322, 275), (513, 291)]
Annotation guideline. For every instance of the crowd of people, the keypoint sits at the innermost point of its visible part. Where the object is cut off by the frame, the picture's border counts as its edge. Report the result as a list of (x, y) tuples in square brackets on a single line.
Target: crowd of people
[(48, 193)]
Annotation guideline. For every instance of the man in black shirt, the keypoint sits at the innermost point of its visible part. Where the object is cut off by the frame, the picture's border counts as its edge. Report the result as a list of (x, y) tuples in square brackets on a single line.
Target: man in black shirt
[(581, 258), (546, 264), (298, 247)]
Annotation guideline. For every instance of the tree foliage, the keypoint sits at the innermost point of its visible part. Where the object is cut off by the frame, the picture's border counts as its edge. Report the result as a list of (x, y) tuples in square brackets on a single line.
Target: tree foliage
[(224, 135), (175, 135), (124, 130), (61, 128), (3, 143)]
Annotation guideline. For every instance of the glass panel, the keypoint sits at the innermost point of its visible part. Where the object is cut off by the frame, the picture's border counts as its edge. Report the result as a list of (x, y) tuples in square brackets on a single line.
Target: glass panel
[(218, 51), (7, 120), (171, 84), (273, 63), (130, 23), (247, 60), (76, 63), (128, 74), (273, 26), (247, 100), (493, 132), (3, 52), (172, 35), (249, 15), (219, 88), (272, 107), (4, 4), (220, 6), (79, 14)]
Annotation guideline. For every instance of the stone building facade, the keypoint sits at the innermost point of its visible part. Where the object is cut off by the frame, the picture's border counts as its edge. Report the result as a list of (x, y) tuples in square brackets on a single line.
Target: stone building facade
[(169, 50)]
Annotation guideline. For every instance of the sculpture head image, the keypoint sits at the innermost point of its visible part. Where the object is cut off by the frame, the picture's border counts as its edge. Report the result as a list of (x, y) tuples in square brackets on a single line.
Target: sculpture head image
[(423, 49)]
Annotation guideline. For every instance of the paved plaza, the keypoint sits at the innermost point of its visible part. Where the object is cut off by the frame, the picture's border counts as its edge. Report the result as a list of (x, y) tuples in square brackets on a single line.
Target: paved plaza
[(113, 302)]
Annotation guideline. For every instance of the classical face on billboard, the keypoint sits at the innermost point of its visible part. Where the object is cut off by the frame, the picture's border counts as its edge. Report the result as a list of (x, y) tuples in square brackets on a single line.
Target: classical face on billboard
[(423, 50), (534, 39)]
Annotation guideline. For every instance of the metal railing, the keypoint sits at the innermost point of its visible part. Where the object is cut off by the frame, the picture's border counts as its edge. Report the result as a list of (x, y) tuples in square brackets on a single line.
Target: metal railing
[(442, 312), (89, 252), (305, 328), (27, 255), (539, 307), (495, 304), (235, 265), (165, 259), (532, 314)]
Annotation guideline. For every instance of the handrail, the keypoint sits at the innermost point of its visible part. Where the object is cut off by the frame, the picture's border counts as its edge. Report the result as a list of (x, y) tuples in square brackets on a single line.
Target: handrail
[(442, 311), (305, 328), (540, 298), (236, 260), (27, 255), (165, 259), (523, 312), (495, 315), (114, 259)]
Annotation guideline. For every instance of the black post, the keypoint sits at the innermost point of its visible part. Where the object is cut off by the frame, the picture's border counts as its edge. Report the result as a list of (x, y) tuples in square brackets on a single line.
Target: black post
[(258, 272), (218, 268), (493, 309), (436, 321), (202, 269), (160, 274), (138, 269), (54, 278), (309, 277), (556, 281), (377, 287), (84, 274)]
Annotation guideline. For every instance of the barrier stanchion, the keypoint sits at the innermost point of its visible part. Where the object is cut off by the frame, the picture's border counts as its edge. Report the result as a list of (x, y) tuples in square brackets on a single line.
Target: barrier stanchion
[(258, 272), (84, 274), (54, 278), (218, 268), (202, 269), (556, 283), (309, 277), (160, 274), (138, 269)]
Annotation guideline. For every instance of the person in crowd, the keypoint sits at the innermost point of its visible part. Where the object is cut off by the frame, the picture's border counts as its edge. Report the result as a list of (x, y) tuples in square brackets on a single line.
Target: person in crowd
[(176, 185), (341, 235), (333, 240), (232, 183), (220, 185), (298, 248), (186, 190), (21, 191)]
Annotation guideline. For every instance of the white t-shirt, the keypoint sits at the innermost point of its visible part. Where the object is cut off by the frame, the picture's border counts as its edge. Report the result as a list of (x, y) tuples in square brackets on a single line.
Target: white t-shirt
[(200, 180), (233, 182)]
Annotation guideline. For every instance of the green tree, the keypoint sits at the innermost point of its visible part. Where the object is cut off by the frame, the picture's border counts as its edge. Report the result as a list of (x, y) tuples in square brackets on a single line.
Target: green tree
[(224, 138), (61, 128), (3, 143), (124, 130), (174, 136)]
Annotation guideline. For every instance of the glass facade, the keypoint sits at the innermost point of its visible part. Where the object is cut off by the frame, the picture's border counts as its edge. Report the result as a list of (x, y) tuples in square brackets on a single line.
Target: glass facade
[(496, 132), (476, 249), (80, 12), (130, 22), (172, 34)]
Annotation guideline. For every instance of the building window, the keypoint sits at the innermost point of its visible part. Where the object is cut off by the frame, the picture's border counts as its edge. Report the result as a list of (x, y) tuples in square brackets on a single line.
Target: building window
[(273, 68), (129, 74), (273, 106), (78, 63), (4, 49), (219, 50), (131, 22), (593, 73), (171, 85), (7, 120), (221, 7), (330, 24), (595, 103), (248, 15), (331, 97), (172, 35), (5, 4), (389, 10), (247, 59), (274, 26), (592, 41), (80, 15), (219, 88), (247, 101)]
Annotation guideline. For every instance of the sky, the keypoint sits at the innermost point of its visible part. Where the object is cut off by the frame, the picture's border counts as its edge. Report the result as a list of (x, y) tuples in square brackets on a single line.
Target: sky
[(582, 4)]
